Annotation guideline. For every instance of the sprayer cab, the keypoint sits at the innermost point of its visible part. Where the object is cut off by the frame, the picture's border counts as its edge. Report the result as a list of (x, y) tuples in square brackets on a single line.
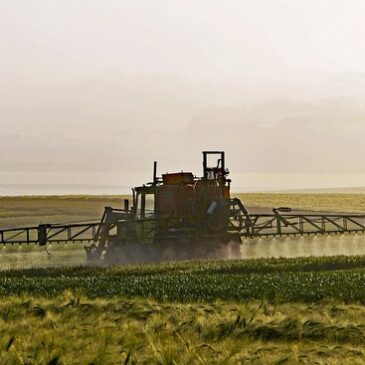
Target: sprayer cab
[(184, 198), (177, 209)]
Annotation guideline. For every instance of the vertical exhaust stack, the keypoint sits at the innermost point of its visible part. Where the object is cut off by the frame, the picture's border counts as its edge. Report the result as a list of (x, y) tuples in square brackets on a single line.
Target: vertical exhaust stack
[(155, 172)]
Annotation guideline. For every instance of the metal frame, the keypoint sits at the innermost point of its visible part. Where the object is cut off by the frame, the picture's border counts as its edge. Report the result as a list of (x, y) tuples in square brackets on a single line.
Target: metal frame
[(246, 225), (44, 234), (302, 224)]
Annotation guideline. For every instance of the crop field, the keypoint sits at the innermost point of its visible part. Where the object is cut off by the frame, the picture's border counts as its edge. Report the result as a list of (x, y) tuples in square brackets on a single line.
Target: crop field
[(76, 330), (299, 310), (276, 280), (306, 311), (19, 211), (333, 202)]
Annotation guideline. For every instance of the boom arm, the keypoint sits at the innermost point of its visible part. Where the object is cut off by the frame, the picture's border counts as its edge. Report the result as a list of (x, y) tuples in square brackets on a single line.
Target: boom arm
[(282, 222)]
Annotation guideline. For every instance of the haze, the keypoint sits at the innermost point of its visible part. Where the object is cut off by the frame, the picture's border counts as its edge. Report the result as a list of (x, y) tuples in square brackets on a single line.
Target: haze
[(93, 92)]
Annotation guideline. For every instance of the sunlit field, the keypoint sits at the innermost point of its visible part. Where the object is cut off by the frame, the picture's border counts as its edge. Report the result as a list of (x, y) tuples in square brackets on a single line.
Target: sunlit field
[(302, 310), (19, 211), (274, 311), (340, 202)]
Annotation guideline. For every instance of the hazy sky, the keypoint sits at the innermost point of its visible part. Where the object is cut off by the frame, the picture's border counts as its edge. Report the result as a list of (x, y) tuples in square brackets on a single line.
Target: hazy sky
[(113, 85)]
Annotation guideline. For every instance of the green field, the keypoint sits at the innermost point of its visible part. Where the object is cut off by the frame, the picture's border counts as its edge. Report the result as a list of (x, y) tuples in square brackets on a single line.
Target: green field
[(239, 312), (264, 311)]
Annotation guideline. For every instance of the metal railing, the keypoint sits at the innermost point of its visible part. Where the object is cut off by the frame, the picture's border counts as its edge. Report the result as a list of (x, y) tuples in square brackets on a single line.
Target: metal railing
[(43, 234), (303, 224), (246, 225)]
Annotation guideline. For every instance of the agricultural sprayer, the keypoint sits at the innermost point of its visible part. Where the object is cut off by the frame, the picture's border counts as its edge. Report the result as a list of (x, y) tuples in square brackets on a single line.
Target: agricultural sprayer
[(180, 215)]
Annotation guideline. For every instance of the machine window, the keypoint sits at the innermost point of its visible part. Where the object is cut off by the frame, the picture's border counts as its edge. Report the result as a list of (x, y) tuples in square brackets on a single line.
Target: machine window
[(150, 205)]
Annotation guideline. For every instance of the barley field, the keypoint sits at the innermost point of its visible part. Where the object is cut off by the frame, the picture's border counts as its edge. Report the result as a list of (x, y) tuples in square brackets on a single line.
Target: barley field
[(278, 311), (72, 329)]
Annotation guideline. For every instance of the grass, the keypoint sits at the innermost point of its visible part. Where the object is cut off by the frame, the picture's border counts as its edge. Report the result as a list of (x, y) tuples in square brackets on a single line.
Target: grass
[(73, 329)]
